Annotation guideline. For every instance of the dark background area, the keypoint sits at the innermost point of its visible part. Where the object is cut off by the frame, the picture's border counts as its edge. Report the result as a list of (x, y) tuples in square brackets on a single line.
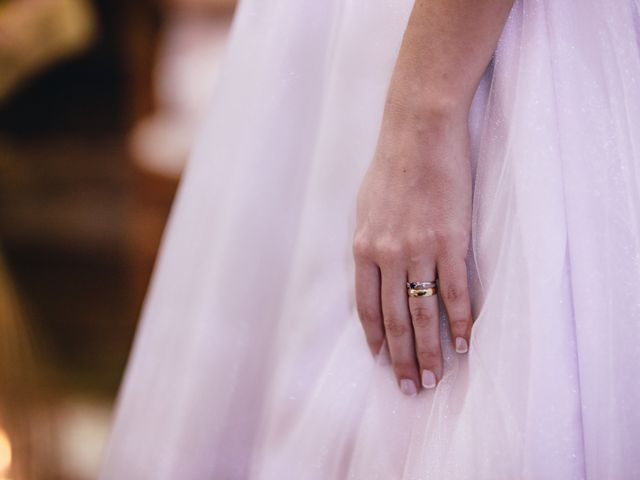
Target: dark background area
[(67, 193), (81, 216)]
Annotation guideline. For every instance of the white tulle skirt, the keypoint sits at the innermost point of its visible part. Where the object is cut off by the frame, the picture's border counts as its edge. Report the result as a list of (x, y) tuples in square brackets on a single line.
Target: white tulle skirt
[(250, 361)]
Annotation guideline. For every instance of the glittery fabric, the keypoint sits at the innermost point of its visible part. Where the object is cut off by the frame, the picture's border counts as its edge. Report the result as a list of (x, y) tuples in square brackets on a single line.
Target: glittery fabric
[(250, 362)]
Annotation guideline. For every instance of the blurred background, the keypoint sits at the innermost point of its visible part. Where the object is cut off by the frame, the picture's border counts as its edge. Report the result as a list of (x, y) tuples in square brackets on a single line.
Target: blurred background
[(99, 102)]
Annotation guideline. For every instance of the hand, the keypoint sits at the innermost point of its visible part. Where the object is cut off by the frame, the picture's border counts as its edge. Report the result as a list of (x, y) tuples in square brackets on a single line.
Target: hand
[(413, 224)]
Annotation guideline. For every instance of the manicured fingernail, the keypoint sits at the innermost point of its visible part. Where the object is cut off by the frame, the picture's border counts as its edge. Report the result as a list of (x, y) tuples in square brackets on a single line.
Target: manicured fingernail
[(428, 379), (461, 345), (408, 387)]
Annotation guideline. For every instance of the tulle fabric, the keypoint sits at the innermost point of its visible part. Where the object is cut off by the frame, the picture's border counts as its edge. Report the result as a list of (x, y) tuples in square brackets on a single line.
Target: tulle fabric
[(250, 361)]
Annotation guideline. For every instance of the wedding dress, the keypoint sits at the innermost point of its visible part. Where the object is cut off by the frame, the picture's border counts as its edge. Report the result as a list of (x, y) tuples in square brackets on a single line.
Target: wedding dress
[(250, 361)]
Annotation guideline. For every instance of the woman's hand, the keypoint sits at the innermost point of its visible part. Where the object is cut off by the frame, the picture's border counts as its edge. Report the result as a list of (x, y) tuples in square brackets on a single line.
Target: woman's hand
[(414, 205), (413, 224)]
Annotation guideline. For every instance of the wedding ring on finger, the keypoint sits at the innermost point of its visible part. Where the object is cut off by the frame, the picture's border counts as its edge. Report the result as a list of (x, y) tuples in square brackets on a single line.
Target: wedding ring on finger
[(422, 289), (422, 292)]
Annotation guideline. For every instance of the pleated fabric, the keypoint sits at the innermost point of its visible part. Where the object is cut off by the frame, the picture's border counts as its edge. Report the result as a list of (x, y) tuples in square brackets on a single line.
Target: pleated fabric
[(250, 363)]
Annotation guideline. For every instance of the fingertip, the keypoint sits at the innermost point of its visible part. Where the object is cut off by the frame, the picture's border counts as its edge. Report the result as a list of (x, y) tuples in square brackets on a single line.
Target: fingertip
[(460, 329), (408, 387), (461, 345), (429, 379), (406, 376)]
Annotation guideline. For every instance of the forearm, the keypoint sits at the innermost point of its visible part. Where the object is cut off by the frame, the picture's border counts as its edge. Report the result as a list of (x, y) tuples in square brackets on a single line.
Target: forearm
[(445, 50)]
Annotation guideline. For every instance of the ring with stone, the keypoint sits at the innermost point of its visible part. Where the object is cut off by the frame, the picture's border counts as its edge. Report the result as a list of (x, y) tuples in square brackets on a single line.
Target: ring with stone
[(422, 289)]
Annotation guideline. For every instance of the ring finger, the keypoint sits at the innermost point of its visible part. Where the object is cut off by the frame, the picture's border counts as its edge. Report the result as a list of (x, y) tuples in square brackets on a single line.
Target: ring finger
[(426, 327)]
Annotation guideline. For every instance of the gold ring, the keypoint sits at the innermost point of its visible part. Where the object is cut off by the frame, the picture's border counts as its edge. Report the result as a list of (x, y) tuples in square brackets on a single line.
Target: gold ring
[(422, 292)]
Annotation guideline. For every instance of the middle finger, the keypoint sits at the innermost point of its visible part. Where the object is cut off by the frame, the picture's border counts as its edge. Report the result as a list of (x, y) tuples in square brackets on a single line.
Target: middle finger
[(426, 326)]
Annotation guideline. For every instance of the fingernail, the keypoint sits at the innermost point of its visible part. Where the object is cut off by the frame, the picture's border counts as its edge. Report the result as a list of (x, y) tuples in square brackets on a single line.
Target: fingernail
[(461, 345), (408, 387), (428, 379)]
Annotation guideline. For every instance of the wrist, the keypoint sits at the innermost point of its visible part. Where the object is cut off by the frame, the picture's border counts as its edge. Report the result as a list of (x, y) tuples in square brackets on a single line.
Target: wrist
[(424, 113), (425, 119)]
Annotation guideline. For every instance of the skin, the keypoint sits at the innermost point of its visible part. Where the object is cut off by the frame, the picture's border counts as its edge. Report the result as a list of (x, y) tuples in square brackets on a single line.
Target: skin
[(413, 219)]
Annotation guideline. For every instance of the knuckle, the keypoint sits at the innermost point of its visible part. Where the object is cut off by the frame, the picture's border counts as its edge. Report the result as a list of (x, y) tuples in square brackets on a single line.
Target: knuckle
[(455, 292), (459, 324), (404, 368), (442, 238), (368, 313), (388, 251), (421, 240), (453, 240), (395, 328), (429, 357), (428, 235), (422, 316), (456, 234), (416, 252), (361, 247)]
